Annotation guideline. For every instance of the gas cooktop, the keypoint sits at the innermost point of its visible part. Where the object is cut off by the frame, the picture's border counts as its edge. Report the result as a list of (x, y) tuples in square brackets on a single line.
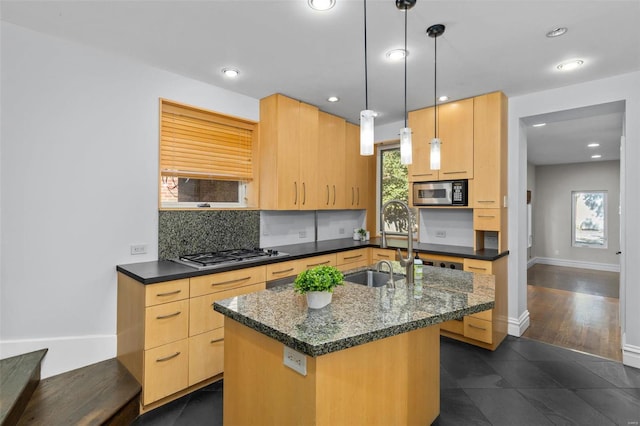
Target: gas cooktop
[(218, 259)]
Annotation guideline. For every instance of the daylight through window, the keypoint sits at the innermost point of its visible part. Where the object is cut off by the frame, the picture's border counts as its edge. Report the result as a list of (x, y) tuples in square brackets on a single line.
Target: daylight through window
[(589, 219)]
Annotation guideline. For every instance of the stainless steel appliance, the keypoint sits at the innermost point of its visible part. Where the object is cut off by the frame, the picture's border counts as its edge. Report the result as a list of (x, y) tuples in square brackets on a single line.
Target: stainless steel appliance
[(219, 259), (443, 264), (441, 193)]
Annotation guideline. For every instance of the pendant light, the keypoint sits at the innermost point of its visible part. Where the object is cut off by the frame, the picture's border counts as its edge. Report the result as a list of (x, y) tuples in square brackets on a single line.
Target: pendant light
[(405, 132), (366, 116), (435, 31)]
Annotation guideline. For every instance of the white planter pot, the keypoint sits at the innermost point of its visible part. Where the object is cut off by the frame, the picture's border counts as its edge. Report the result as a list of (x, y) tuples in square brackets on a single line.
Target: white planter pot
[(318, 299)]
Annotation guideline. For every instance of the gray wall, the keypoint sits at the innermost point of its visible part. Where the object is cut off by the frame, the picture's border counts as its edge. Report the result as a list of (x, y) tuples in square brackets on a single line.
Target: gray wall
[(531, 186), (552, 209)]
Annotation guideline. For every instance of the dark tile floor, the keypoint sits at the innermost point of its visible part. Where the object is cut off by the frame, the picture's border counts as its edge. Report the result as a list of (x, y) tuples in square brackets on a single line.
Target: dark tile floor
[(524, 382)]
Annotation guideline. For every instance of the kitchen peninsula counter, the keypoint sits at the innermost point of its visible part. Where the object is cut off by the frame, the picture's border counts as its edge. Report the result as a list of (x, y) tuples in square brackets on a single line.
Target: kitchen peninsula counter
[(370, 357)]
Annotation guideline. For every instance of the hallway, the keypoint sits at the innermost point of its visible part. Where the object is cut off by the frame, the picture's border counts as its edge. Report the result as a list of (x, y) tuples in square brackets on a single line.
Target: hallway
[(575, 308)]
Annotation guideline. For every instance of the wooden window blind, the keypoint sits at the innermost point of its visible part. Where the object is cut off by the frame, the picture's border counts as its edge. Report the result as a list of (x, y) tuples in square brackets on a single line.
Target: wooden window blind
[(201, 144)]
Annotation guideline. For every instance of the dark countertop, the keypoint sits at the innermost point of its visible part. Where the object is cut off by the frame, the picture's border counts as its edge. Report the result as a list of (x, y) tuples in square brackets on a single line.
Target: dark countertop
[(360, 314), (165, 270)]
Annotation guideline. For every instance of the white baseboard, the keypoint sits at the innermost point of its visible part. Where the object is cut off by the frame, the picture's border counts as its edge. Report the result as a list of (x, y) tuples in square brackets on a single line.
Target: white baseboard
[(65, 353), (631, 355), (517, 326), (610, 267)]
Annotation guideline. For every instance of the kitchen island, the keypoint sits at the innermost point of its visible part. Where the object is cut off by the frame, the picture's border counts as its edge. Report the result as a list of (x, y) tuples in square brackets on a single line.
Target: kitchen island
[(370, 357)]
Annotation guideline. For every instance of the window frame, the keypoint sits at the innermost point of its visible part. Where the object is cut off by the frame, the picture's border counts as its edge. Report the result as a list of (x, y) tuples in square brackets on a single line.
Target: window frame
[(380, 148), (574, 221)]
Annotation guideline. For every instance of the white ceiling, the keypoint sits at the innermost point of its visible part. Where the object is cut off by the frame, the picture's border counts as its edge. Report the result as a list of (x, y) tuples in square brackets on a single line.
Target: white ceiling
[(284, 46)]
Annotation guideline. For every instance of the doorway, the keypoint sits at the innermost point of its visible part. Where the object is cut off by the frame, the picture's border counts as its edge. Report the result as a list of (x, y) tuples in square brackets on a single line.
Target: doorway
[(573, 283)]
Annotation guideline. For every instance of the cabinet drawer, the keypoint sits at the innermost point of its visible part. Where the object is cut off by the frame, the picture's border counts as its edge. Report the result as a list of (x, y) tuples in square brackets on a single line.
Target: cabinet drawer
[(312, 262), (484, 315), (454, 326), (478, 266), (354, 265), (166, 323), (382, 254), (486, 219), (282, 269), (206, 355), (166, 370), (203, 318), (169, 291), (477, 329), (351, 256), (207, 284)]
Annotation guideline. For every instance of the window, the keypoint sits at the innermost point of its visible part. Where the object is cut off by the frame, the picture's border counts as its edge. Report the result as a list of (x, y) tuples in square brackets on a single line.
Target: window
[(589, 226), (394, 185), (206, 158)]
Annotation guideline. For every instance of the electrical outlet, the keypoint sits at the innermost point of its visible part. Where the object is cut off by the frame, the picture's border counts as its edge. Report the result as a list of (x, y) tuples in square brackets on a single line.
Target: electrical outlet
[(302, 234), (441, 234), (138, 248), (340, 231), (295, 360)]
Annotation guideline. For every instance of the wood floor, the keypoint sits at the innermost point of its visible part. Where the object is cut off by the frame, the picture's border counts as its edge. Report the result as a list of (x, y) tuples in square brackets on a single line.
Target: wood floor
[(586, 321)]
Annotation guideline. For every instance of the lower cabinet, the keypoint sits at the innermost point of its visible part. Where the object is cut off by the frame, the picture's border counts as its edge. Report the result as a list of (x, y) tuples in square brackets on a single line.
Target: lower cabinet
[(352, 259)]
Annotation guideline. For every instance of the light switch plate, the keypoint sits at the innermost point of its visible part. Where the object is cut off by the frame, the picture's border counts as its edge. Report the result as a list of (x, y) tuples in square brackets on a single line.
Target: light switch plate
[(295, 360)]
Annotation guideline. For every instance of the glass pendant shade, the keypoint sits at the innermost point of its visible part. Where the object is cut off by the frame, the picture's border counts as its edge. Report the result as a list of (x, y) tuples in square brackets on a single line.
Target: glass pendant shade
[(435, 154), (366, 131), (405, 146)]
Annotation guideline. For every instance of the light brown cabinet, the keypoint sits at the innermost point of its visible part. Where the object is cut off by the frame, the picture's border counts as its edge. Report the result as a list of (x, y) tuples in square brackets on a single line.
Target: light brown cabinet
[(288, 150), (352, 259), (455, 130), (294, 267), (330, 159), (356, 170)]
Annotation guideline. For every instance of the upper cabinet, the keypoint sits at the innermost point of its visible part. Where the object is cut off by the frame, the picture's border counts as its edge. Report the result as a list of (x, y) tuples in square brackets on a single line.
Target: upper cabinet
[(288, 150), (455, 130), (331, 164), (356, 170)]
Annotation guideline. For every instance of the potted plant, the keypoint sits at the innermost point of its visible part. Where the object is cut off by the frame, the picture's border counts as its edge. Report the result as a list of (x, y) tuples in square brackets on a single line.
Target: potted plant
[(363, 234), (318, 284)]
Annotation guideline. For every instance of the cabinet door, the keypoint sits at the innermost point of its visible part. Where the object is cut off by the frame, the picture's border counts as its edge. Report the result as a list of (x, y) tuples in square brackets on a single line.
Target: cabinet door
[(455, 129), (206, 355), (331, 162), (308, 160), (166, 370), (490, 150), (422, 126), (352, 154)]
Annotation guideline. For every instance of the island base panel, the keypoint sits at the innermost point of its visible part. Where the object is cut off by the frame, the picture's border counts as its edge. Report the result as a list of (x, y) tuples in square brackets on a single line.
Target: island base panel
[(395, 380)]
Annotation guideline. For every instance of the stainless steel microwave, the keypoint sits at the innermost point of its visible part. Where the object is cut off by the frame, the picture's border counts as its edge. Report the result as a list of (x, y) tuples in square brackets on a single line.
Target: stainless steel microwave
[(441, 193)]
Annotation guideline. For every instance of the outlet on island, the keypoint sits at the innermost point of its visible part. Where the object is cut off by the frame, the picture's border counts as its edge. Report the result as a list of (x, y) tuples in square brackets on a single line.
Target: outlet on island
[(295, 360)]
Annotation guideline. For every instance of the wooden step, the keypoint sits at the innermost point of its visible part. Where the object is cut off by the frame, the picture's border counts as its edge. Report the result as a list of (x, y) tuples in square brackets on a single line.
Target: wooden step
[(104, 393), (19, 377)]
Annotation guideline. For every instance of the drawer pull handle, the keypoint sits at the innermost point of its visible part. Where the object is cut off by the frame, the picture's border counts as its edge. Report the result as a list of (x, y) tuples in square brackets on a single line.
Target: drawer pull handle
[(167, 358), (319, 263), (352, 257), (479, 328), (175, 314), (486, 216), (217, 340), (477, 268), (386, 256), (457, 172), (422, 174), (282, 272), (486, 201), (231, 281), (171, 293)]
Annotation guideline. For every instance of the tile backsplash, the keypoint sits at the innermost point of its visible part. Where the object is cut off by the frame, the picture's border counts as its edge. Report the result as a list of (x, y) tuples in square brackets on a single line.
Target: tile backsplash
[(184, 232)]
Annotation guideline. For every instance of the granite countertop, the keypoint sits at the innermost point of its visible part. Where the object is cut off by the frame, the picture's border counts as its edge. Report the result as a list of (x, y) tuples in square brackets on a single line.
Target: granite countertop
[(165, 270), (360, 314)]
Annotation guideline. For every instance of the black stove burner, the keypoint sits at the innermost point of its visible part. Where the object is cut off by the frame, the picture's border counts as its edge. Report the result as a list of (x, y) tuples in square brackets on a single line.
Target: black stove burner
[(228, 256)]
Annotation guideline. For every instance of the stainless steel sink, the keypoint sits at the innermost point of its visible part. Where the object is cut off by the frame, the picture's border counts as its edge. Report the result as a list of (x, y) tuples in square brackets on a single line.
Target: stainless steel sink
[(370, 278)]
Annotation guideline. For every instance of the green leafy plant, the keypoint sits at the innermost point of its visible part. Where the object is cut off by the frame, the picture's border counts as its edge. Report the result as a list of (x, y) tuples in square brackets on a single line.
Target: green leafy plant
[(362, 232), (320, 278)]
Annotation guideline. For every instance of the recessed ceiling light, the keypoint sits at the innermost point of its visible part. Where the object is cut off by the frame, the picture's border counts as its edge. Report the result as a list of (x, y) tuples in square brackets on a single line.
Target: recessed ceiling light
[(443, 98), (539, 125), (397, 54), (593, 145), (321, 4), (571, 65), (557, 32), (596, 156), (333, 99), (230, 72)]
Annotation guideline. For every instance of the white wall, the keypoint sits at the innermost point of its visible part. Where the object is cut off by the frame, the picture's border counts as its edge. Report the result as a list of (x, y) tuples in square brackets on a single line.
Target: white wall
[(78, 185), (552, 215), (456, 224), (626, 88)]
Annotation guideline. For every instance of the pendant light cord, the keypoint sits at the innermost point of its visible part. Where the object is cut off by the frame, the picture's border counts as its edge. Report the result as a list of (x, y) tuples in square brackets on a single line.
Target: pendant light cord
[(406, 53), (435, 84), (366, 77)]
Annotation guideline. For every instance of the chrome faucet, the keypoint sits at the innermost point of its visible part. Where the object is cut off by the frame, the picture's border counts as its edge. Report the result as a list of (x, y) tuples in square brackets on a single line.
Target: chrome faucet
[(408, 262), (391, 283)]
